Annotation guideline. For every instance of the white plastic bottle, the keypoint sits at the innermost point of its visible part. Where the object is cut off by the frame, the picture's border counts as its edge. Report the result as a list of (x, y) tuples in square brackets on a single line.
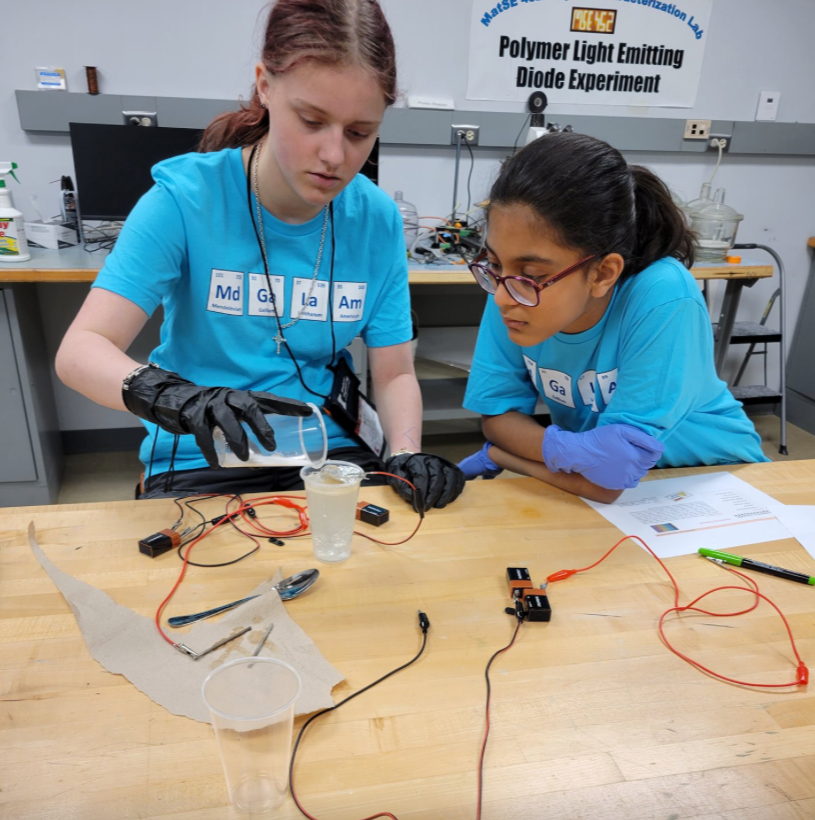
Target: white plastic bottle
[(13, 245)]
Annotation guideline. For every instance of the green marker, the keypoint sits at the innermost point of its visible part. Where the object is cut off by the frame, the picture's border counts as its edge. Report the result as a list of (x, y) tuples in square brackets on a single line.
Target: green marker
[(758, 566)]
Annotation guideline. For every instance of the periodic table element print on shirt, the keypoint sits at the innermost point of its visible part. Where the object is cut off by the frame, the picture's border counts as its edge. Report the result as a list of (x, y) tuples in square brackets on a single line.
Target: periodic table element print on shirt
[(608, 384), (587, 388), (533, 370), (226, 292), (259, 302), (312, 303), (349, 301), (557, 386)]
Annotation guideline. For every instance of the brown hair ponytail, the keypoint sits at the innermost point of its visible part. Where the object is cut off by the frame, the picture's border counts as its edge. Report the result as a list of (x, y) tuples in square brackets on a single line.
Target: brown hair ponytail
[(333, 32), (236, 128), (661, 227)]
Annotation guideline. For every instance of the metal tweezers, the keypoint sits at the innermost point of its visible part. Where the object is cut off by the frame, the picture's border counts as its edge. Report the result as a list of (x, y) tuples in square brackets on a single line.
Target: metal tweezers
[(184, 649)]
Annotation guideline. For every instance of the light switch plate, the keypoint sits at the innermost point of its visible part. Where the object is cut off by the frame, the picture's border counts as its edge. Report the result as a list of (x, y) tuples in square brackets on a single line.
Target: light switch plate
[(767, 109)]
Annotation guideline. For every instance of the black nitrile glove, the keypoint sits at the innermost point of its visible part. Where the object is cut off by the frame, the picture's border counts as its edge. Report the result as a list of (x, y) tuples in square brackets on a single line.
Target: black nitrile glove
[(181, 407), (438, 481)]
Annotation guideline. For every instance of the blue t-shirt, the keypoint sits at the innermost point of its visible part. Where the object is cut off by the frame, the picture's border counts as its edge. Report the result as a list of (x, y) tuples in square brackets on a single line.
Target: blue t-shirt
[(189, 245), (648, 363)]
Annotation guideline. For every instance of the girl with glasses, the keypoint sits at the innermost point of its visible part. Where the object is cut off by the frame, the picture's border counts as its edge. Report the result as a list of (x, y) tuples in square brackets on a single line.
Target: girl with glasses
[(594, 313)]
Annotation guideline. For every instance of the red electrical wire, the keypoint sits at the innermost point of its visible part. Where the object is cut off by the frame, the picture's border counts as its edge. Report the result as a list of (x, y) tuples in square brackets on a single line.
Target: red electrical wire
[(243, 510), (802, 671), (281, 501), (415, 529), (229, 517), (181, 578)]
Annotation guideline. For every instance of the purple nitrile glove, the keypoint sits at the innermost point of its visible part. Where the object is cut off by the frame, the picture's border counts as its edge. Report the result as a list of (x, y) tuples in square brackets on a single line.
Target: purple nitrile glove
[(479, 464), (615, 456)]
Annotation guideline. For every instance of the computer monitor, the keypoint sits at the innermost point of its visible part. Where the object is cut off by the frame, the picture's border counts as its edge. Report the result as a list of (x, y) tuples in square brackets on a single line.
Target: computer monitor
[(113, 162)]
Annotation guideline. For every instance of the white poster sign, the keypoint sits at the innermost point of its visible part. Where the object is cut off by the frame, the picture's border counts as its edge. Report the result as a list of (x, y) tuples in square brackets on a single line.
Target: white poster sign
[(607, 52)]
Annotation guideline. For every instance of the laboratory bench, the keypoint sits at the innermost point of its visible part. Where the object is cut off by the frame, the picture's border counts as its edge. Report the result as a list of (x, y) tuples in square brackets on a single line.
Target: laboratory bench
[(592, 716), (447, 301)]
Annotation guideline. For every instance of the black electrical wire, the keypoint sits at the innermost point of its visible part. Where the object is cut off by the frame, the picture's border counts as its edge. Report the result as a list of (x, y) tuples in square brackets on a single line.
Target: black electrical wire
[(331, 289), (487, 729), (103, 240), (470, 176), (101, 245), (152, 456), (204, 522), (424, 623), (223, 563), (170, 474), (523, 127)]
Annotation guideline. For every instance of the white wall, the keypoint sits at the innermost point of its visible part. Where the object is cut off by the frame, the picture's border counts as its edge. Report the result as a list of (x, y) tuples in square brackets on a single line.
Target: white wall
[(199, 49), (752, 45)]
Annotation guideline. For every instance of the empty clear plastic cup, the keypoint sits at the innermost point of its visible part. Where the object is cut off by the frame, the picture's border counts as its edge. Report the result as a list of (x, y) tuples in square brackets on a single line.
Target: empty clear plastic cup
[(251, 702), (332, 492), (301, 441)]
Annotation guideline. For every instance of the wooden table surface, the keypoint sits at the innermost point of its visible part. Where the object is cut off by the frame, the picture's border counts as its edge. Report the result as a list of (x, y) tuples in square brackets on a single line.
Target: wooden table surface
[(592, 717), (78, 265)]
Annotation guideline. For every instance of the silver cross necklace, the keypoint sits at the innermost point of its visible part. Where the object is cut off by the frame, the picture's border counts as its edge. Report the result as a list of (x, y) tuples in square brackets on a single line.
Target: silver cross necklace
[(279, 338)]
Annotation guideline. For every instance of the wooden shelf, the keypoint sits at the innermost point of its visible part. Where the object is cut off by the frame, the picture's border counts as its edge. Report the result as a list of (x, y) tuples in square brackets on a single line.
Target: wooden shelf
[(451, 346)]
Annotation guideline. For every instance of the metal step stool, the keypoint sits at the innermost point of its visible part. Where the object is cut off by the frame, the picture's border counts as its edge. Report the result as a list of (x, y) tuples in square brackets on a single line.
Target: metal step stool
[(757, 333)]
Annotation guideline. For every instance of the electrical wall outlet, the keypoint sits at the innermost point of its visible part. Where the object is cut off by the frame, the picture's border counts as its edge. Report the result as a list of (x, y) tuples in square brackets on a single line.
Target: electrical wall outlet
[(767, 109), (469, 134), (714, 140), (696, 129), (140, 118)]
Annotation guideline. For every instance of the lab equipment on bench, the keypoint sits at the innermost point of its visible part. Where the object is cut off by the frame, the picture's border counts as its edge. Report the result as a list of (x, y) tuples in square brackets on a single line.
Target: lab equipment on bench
[(536, 105), (715, 226), (301, 441), (287, 589), (251, 703), (704, 199), (332, 491), (410, 218)]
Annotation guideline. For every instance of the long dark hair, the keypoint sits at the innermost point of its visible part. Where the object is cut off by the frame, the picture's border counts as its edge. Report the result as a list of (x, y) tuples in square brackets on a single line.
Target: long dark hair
[(333, 32), (594, 201)]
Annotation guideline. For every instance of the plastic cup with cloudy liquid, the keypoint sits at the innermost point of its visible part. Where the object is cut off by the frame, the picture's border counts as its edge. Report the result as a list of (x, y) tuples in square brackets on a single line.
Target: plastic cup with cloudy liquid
[(332, 491), (301, 441), (251, 702)]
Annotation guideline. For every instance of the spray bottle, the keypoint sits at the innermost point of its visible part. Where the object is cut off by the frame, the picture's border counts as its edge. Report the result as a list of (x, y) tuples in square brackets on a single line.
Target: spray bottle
[(68, 202), (13, 246)]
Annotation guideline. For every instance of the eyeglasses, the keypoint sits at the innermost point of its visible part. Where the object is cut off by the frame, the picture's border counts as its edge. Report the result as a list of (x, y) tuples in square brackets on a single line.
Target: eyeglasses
[(524, 291)]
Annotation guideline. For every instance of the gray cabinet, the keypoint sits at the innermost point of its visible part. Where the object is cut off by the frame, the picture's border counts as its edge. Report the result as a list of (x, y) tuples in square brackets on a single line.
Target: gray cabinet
[(30, 449), (801, 364)]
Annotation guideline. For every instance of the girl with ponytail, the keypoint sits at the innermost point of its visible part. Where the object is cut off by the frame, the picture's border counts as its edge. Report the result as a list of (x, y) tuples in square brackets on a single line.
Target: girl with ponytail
[(595, 313), (270, 254)]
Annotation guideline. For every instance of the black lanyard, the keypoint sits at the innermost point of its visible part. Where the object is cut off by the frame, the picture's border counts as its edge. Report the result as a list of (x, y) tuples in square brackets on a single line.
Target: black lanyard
[(269, 281)]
